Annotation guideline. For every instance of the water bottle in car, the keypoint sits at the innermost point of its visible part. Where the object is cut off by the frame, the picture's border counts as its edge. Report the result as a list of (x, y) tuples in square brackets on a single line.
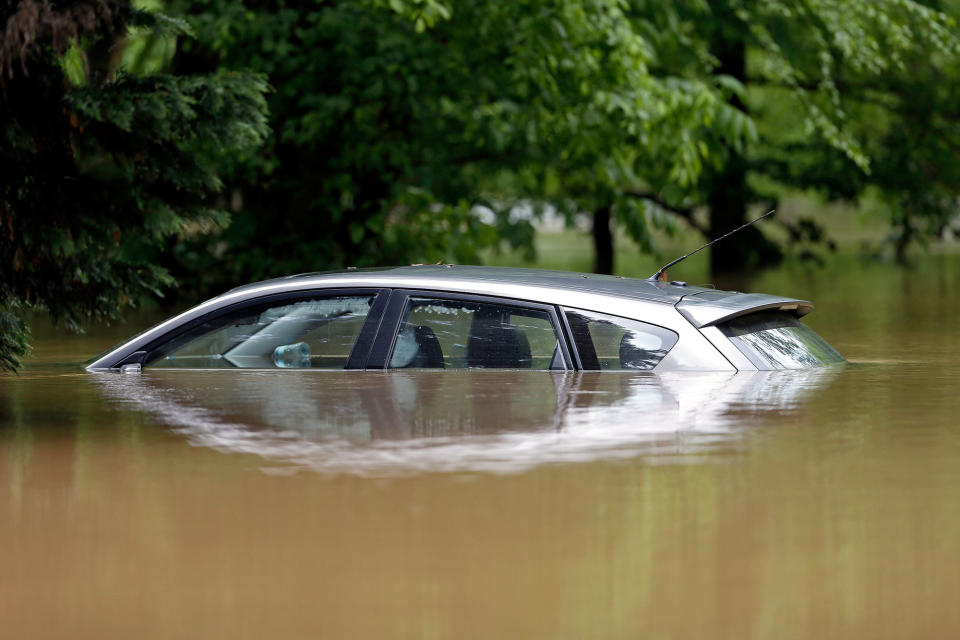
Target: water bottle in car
[(292, 356)]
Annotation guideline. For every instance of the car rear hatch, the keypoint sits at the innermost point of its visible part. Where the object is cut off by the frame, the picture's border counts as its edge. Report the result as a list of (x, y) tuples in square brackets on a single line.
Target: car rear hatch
[(709, 308), (763, 328)]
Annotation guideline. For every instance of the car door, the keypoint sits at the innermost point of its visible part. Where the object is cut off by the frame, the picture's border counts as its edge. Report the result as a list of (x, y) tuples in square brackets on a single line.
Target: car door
[(439, 330)]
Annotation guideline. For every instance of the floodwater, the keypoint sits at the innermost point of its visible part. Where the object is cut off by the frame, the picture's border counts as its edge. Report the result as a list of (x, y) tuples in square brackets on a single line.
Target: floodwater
[(499, 504)]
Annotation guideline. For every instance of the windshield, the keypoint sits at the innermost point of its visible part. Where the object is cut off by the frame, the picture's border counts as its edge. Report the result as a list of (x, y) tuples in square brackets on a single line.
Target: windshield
[(776, 340)]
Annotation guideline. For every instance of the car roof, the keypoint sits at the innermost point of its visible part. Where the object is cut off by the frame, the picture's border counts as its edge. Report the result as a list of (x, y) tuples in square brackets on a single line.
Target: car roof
[(478, 279)]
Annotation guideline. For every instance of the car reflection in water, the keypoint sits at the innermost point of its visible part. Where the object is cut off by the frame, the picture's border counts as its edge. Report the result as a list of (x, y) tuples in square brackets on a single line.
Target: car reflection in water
[(399, 422)]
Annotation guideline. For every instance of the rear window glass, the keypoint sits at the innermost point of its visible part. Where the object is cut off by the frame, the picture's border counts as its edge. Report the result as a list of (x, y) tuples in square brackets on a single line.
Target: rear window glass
[(773, 340)]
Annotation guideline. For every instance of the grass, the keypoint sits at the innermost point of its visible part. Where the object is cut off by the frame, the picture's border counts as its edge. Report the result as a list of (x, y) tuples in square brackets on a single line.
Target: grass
[(856, 230)]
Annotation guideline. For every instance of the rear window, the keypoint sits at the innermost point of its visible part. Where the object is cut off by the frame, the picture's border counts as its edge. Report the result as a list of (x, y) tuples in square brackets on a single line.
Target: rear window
[(776, 340)]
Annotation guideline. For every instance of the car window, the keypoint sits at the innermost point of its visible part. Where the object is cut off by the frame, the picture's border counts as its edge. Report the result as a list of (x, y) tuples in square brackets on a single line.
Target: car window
[(458, 334), (610, 342), (776, 340), (317, 333)]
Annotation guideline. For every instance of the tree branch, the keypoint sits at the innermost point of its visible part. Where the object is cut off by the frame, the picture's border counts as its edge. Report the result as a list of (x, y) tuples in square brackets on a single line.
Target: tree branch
[(876, 93), (685, 213)]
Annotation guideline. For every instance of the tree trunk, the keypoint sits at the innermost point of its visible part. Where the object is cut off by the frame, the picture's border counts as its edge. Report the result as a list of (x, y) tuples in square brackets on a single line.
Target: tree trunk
[(602, 241), (728, 192)]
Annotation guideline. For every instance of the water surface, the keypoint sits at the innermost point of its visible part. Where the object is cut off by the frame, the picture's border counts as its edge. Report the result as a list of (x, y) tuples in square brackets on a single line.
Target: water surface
[(499, 504)]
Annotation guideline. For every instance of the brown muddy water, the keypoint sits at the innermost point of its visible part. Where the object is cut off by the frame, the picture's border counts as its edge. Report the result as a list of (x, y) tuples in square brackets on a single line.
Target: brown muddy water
[(499, 505)]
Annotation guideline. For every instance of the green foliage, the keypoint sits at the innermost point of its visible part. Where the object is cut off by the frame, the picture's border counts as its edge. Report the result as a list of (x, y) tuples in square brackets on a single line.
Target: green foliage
[(388, 114), (14, 339), (96, 175), (423, 13), (843, 95), (815, 46), (393, 119), (900, 111)]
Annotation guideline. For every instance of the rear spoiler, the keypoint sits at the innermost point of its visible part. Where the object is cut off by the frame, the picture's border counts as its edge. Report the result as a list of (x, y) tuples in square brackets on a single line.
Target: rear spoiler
[(708, 308)]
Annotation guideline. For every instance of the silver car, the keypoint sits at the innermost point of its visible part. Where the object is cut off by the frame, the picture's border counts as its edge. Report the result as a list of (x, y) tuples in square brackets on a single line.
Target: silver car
[(467, 317)]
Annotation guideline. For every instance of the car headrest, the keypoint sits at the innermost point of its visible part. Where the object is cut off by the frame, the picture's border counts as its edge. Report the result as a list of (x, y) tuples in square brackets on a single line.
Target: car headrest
[(429, 353), (496, 345)]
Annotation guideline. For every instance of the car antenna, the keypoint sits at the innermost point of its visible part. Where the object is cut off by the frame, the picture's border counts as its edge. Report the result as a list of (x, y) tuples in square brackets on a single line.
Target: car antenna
[(664, 268)]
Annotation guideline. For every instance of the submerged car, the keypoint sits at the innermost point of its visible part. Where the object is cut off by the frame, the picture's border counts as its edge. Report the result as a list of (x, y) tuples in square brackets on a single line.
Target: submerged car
[(468, 317)]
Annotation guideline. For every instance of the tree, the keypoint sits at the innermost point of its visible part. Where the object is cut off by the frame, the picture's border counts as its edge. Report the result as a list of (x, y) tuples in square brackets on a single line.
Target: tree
[(393, 121), (98, 165), (904, 119), (845, 95)]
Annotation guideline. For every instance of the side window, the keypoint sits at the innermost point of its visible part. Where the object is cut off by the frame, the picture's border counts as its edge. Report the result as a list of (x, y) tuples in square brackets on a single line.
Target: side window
[(610, 342), (317, 333), (457, 334)]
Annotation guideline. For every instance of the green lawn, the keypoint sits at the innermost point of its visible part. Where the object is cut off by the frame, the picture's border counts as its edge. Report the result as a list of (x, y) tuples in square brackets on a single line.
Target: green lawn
[(856, 230)]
